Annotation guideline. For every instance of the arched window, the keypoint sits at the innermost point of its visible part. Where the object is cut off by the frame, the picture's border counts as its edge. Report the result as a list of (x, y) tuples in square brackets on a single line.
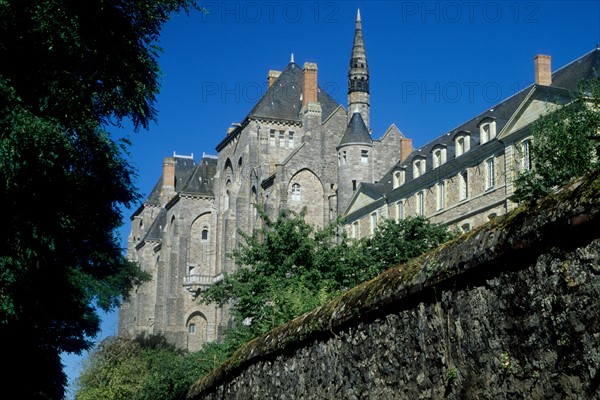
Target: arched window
[(204, 233), (399, 178), (296, 195)]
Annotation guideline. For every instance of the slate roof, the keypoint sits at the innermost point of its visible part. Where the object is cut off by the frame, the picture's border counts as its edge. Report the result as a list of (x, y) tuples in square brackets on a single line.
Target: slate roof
[(155, 231), (283, 99), (184, 169), (568, 77), (201, 180), (356, 132)]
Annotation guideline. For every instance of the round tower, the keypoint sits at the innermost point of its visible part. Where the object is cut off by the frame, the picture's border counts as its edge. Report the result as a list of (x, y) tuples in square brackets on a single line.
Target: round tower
[(355, 159)]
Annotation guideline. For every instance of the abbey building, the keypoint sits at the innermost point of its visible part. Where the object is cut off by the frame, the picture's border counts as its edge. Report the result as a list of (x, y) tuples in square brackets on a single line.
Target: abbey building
[(298, 147)]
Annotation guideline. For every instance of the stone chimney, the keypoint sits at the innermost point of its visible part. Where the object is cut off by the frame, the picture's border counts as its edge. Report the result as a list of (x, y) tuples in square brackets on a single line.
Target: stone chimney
[(543, 70), (168, 181), (309, 88), (272, 77)]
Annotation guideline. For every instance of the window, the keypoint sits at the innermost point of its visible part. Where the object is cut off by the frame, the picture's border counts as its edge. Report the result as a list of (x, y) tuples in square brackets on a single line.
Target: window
[(399, 178), (439, 156), (463, 185), (355, 229), (421, 203), (487, 131), (465, 227), (281, 138), (525, 155), (440, 196), (400, 210), (462, 144), (353, 184), (192, 328), (364, 156), (343, 158), (296, 192), (272, 138), (373, 222), (204, 234), (418, 168), (489, 174), (291, 140)]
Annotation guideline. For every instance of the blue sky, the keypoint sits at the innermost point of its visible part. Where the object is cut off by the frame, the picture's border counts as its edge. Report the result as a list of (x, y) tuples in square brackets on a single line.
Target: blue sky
[(433, 65)]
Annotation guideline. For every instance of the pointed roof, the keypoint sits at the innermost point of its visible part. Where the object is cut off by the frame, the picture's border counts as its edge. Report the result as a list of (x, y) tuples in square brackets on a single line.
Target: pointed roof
[(356, 132), (283, 100)]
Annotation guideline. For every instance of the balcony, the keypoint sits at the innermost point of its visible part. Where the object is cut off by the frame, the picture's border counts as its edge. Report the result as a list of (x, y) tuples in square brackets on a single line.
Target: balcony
[(195, 283)]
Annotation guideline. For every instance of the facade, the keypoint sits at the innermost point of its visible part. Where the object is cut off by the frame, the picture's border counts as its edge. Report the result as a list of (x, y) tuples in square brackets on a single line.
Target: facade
[(465, 177), (285, 154), (299, 148)]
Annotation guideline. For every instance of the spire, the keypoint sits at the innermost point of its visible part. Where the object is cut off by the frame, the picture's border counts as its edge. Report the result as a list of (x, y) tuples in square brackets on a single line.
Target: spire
[(292, 58), (358, 74)]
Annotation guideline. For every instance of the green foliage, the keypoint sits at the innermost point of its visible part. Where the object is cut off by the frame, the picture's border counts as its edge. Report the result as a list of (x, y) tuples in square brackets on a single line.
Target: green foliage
[(563, 146), (288, 268), (70, 70), (143, 368)]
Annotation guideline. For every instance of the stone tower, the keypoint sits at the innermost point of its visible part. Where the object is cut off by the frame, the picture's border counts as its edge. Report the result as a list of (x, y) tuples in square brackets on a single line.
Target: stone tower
[(355, 158), (358, 77)]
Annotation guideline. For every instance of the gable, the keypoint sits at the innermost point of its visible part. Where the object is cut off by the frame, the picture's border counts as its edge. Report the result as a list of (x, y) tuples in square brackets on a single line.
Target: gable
[(538, 103), (360, 200)]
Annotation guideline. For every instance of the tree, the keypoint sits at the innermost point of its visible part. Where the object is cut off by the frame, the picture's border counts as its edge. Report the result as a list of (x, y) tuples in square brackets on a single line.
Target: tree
[(288, 267), (70, 71), (143, 368), (563, 145)]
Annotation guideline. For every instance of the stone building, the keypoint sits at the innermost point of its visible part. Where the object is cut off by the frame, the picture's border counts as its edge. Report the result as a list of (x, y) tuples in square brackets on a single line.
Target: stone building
[(297, 147), (465, 177)]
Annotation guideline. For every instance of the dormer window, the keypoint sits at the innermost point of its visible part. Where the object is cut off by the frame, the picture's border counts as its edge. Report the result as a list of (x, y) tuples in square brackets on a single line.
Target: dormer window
[(462, 144), (439, 156), (487, 130), (418, 167), (399, 178)]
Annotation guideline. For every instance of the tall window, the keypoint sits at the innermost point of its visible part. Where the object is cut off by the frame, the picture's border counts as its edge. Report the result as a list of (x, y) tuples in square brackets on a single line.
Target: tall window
[(440, 196), (421, 203), (373, 222), (525, 155), (343, 158), (291, 139), (355, 229), (463, 185), (281, 138), (364, 156), (489, 173), (296, 192), (272, 138), (400, 210)]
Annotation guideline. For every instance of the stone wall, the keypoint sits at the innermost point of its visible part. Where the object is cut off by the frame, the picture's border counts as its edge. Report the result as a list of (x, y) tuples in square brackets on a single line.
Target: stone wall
[(510, 310)]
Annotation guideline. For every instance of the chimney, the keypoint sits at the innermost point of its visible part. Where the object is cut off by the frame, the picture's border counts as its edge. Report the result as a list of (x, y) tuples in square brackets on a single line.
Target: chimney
[(272, 77), (168, 181), (309, 88), (406, 148), (543, 70)]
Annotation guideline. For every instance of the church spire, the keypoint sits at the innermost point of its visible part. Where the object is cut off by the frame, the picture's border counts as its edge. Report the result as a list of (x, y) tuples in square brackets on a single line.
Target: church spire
[(358, 75)]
